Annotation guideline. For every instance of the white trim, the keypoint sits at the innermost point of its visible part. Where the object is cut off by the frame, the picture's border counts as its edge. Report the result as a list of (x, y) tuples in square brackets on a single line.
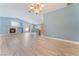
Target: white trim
[(74, 42), (3, 34)]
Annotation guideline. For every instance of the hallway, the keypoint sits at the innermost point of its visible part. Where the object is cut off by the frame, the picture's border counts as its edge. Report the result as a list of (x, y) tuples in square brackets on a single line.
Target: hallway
[(27, 44)]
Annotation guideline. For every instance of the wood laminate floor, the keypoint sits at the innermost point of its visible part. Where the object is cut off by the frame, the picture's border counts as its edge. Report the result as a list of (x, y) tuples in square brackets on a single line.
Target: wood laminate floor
[(28, 44)]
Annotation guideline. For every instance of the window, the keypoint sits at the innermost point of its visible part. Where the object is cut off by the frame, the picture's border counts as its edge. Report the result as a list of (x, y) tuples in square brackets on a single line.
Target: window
[(13, 23)]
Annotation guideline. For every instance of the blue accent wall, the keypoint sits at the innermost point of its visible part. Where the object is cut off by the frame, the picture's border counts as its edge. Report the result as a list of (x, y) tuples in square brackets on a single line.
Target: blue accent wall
[(5, 24), (63, 23)]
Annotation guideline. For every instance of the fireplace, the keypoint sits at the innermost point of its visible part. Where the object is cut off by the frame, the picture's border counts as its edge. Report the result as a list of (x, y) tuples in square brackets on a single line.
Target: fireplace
[(12, 30)]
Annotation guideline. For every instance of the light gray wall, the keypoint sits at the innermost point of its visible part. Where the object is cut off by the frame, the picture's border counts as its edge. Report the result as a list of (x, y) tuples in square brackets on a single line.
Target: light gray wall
[(6, 23), (63, 23)]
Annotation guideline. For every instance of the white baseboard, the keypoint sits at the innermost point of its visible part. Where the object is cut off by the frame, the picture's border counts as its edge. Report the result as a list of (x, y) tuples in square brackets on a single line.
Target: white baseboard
[(3, 34), (74, 42)]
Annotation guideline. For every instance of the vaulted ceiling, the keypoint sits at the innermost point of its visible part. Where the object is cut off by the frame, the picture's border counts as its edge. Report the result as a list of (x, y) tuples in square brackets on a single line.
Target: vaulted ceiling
[(48, 6), (20, 10)]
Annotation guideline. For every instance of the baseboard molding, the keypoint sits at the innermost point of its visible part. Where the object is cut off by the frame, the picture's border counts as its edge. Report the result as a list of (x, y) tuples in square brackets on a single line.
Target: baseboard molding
[(3, 34), (74, 42)]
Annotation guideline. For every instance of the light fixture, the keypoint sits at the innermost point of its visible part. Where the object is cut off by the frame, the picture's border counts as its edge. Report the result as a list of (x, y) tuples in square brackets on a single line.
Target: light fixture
[(36, 7)]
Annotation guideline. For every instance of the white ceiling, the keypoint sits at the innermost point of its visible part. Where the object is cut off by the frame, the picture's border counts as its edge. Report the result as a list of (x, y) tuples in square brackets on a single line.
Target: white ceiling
[(53, 6), (20, 10), (48, 6)]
